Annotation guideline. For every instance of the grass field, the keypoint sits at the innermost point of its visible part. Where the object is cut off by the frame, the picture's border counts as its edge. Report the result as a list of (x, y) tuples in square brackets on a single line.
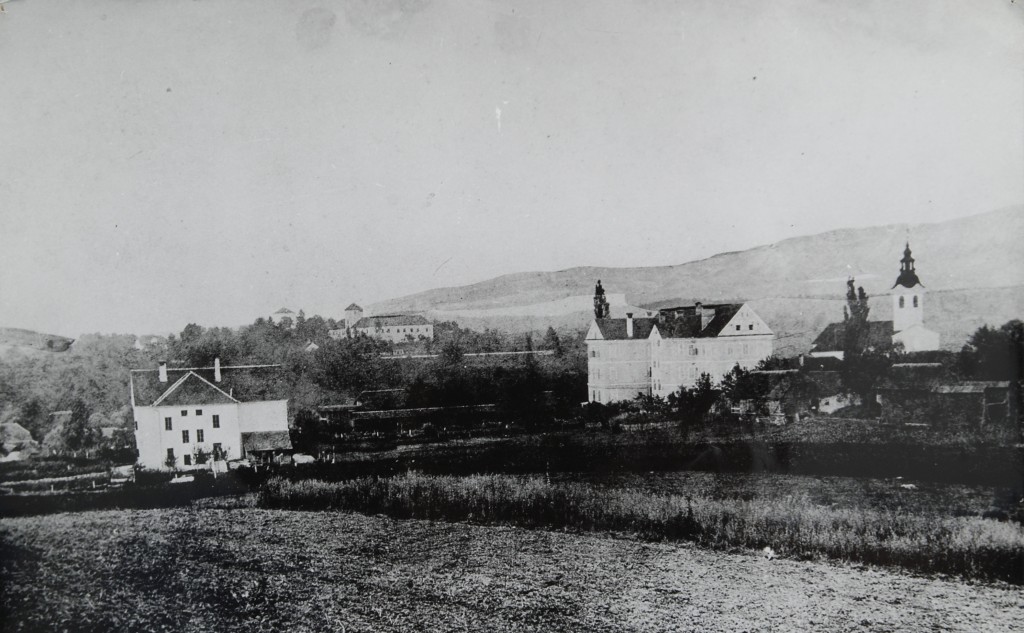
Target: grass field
[(795, 525), (239, 569)]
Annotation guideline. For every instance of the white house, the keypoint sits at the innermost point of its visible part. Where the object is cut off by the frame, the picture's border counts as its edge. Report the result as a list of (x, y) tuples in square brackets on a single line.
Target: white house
[(184, 415), (657, 356)]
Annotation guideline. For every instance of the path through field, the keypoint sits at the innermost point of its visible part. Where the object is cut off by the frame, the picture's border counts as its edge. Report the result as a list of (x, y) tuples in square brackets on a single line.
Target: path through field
[(245, 569)]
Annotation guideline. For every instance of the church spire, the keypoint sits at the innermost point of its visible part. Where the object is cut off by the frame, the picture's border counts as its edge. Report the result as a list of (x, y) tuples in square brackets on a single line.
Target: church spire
[(908, 276)]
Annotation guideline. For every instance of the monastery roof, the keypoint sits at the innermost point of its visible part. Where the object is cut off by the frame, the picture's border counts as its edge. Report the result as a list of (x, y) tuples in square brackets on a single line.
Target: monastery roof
[(196, 386), (615, 329), (391, 320), (684, 322), (832, 338)]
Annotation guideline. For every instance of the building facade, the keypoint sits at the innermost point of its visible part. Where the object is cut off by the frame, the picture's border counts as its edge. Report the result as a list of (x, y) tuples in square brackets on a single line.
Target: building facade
[(659, 355), (187, 417)]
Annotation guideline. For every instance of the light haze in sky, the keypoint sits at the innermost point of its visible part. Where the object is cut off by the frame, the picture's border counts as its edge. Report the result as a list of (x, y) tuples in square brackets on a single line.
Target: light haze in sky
[(211, 161)]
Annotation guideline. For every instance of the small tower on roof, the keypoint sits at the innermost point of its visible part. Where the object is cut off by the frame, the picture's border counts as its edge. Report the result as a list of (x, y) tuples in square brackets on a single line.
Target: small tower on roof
[(907, 296), (601, 307), (352, 315)]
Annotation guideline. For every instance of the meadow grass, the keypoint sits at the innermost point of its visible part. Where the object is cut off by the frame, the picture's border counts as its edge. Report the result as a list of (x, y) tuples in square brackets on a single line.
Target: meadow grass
[(792, 526)]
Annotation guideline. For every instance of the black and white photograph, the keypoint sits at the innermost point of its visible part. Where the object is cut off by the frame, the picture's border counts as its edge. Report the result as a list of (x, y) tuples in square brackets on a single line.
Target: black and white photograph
[(511, 315)]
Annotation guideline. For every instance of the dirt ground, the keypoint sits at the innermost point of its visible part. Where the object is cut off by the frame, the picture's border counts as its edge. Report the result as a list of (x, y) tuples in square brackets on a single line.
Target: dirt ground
[(246, 569)]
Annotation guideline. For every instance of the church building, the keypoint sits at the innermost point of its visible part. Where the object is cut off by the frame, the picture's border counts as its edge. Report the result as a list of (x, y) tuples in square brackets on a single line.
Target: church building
[(906, 329)]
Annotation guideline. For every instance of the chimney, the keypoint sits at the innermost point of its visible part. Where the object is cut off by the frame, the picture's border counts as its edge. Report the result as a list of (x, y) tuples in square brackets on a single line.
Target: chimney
[(704, 314), (629, 325), (216, 369), (163, 371)]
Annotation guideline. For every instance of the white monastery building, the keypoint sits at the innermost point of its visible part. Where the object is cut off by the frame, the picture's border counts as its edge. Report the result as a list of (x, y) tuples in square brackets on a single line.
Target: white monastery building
[(658, 355), (185, 415), (396, 328)]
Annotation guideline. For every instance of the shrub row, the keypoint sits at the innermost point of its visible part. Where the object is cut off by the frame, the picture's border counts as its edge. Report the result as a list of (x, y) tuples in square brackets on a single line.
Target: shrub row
[(971, 547)]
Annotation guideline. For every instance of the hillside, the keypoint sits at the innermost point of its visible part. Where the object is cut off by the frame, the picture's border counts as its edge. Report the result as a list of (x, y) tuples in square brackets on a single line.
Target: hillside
[(28, 341), (973, 268)]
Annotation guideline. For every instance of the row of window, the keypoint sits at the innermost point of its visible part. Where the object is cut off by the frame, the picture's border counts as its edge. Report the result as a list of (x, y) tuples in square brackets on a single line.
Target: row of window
[(169, 423), (199, 436), (187, 458)]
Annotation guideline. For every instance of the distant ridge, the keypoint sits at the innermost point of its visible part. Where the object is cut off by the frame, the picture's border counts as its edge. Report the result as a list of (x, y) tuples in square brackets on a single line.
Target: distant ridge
[(30, 341), (977, 255)]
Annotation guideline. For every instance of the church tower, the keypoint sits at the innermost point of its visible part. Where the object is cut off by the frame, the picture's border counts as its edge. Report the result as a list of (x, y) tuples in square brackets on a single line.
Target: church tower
[(907, 296)]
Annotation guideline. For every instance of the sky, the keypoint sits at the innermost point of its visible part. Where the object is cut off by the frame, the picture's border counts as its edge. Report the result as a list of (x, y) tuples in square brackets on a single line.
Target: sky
[(211, 161)]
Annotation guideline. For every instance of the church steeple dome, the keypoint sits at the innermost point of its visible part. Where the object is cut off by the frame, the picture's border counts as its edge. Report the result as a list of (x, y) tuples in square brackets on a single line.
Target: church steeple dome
[(908, 276)]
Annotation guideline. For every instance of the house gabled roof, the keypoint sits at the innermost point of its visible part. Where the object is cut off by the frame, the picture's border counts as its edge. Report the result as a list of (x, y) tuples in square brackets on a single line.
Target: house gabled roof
[(391, 320), (284, 311), (832, 338), (240, 384), (615, 329), (193, 389), (353, 306)]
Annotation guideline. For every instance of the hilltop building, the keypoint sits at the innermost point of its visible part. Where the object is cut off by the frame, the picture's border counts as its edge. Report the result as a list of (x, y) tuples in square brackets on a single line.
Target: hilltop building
[(658, 355), (184, 415), (396, 328), (906, 327), (282, 314)]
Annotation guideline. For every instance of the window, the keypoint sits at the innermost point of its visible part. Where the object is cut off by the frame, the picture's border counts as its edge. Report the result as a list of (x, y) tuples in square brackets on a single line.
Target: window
[(216, 421), (901, 302), (188, 460), (199, 435), (199, 411), (184, 412), (218, 451), (136, 425), (184, 436), (750, 327), (737, 328), (915, 301), (170, 454), (167, 424)]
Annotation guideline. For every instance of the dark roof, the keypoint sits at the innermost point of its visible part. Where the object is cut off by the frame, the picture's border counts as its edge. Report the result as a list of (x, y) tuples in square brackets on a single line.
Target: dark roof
[(915, 376), (615, 329), (391, 320), (908, 276), (684, 322), (241, 384), (192, 389), (256, 441), (831, 339), (353, 306), (284, 311)]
